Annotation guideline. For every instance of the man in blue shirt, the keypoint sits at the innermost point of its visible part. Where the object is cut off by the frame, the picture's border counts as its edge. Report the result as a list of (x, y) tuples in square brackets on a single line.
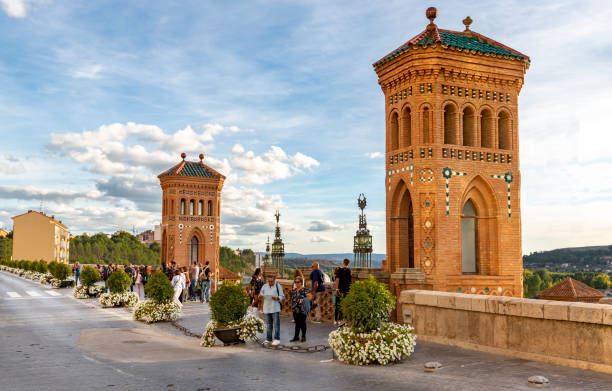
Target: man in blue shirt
[(272, 295), (318, 288)]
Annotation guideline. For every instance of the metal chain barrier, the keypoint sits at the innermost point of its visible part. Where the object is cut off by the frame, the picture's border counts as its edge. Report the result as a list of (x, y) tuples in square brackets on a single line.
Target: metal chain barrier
[(185, 330), (285, 348), (293, 348)]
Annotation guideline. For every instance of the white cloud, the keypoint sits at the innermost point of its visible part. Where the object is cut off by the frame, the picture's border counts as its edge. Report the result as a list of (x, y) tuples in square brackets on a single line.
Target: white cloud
[(17, 8), (374, 155), (274, 164), (11, 165), (320, 239), (88, 72), (323, 225), (53, 195)]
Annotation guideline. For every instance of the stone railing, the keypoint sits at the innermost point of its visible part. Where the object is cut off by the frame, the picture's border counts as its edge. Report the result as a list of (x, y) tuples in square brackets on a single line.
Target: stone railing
[(565, 333)]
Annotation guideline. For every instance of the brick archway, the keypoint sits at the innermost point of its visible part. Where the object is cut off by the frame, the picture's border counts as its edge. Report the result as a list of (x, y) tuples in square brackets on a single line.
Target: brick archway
[(402, 227), (482, 197)]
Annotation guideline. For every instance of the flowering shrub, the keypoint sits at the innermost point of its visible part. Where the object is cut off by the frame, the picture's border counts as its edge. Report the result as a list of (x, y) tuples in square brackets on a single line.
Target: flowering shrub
[(390, 343), (85, 292), (370, 338), (367, 305), (159, 288), (151, 312), (250, 326), (45, 278), (125, 299), (32, 275)]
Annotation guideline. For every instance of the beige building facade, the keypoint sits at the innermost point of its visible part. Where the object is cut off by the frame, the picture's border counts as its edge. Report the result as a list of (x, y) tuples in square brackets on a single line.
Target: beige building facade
[(37, 236)]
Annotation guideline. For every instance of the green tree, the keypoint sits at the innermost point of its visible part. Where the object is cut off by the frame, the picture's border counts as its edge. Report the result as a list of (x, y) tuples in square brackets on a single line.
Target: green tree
[(601, 281)]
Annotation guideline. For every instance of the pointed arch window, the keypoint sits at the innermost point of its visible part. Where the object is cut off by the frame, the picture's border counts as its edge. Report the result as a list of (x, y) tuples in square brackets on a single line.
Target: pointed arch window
[(193, 259), (469, 238)]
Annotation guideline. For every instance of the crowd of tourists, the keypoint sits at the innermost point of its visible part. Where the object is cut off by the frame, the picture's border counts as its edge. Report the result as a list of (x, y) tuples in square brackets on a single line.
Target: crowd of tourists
[(191, 283), (267, 297)]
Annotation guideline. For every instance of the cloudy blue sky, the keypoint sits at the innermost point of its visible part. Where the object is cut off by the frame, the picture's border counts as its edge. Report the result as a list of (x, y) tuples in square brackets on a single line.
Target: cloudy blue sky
[(98, 97)]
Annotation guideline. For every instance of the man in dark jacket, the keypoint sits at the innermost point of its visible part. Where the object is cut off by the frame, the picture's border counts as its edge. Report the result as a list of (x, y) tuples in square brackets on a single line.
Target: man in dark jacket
[(318, 288)]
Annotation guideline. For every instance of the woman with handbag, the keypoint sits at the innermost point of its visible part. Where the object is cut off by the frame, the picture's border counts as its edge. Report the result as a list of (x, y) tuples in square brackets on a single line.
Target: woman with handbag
[(300, 306), (255, 287)]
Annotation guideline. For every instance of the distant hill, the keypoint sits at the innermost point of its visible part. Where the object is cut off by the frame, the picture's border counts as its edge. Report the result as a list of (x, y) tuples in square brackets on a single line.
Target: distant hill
[(571, 259), (327, 262)]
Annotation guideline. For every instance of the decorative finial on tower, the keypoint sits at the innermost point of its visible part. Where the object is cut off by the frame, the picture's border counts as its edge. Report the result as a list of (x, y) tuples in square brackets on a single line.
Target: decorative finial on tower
[(467, 22), (183, 155), (277, 215), (361, 202), (201, 157), (431, 14)]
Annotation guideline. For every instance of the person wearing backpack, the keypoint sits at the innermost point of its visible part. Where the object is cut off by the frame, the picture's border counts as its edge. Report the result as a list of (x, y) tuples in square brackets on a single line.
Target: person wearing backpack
[(272, 295), (300, 306), (318, 289)]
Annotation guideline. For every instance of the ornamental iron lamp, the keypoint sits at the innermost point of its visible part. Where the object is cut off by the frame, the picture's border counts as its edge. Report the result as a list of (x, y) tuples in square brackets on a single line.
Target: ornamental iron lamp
[(362, 242), (278, 248)]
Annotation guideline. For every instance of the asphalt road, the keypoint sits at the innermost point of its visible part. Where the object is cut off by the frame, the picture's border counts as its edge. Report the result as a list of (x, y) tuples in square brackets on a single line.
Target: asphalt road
[(51, 341)]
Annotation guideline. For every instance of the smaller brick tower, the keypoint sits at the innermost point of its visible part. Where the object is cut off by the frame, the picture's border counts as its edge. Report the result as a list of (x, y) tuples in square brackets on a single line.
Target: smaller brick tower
[(191, 206)]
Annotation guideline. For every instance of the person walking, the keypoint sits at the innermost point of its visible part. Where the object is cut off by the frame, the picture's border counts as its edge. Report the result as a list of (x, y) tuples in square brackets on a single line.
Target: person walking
[(300, 306), (205, 282), (318, 288), (272, 295), (255, 287), (343, 284), (138, 285), (177, 285), (77, 273), (194, 272)]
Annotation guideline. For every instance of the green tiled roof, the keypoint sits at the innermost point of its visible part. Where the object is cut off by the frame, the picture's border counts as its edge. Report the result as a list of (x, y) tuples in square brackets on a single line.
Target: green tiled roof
[(467, 40), (194, 169)]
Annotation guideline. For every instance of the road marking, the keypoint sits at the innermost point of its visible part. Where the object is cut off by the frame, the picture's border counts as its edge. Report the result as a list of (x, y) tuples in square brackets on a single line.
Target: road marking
[(33, 293), (13, 294), (53, 293)]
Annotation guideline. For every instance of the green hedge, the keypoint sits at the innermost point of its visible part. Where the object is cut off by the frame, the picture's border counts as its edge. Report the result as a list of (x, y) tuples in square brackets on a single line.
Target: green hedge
[(367, 305)]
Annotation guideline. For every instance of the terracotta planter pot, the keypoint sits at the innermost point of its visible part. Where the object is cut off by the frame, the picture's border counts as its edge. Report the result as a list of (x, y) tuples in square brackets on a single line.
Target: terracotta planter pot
[(228, 336)]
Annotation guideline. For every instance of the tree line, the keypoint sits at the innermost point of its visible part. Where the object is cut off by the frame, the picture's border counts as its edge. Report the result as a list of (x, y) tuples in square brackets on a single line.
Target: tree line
[(120, 249)]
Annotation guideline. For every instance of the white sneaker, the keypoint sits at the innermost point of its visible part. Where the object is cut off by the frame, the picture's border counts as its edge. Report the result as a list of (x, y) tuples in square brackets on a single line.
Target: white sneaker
[(276, 342), (266, 343)]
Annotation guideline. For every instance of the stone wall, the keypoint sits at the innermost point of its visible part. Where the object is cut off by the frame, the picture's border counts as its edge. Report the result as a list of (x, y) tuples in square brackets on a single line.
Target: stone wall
[(572, 334)]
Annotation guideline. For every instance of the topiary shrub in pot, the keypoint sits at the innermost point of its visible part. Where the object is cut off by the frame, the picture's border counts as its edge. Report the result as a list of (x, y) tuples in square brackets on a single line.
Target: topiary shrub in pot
[(118, 284), (369, 337), (60, 273), (161, 307), (87, 288), (230, 322)]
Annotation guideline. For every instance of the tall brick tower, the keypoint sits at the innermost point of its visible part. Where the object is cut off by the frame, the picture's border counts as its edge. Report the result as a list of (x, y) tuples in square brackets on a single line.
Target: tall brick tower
[(452, 162), (191, 205)]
